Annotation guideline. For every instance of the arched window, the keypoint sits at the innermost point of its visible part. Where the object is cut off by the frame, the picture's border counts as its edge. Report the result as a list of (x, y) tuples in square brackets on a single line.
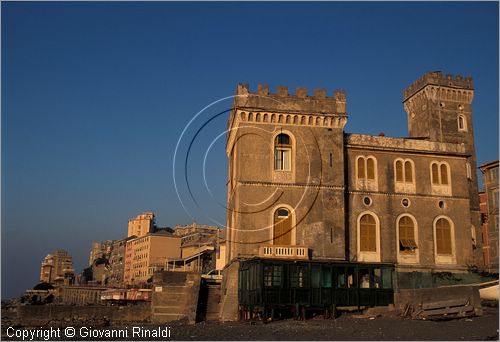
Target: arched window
[(368, 244), (282, 153), (370, 168), (440, 178), (366, 168), (367, 234), (282, 228), (406, 228), (462, 123), (407, 239), (444, 174), (404, 175), (366, 173), (443, 237)]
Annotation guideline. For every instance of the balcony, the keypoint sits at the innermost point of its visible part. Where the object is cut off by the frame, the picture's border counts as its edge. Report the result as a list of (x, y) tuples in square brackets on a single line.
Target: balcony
[(284, 252)]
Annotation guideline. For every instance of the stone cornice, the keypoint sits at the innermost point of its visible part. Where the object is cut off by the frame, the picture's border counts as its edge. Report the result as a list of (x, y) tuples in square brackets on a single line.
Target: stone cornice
[(381, 143), (292, 185), (241, 116), (402, 195)]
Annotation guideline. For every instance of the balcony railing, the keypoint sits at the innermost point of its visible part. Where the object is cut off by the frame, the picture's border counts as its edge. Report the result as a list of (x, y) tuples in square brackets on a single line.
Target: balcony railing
[(284, 252)]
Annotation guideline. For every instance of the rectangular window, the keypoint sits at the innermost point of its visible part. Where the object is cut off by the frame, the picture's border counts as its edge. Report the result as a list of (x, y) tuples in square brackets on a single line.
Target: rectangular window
[(282, 160), (494, 199), (341, 278), (327, 277), (315, 276), (297, 276), (494, 174), (272, 276)]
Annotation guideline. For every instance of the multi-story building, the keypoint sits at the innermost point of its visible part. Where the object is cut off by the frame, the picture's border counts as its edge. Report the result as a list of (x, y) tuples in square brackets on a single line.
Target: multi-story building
[(148, 253), (57, 268), (483, 205), (117, 262), (299, 187), (100, 250), (195, 237), (489, 201), (142, 224)]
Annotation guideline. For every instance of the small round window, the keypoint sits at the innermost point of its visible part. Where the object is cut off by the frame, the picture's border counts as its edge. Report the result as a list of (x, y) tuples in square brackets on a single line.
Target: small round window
[(405, 202), (441, 204), (367, 200)]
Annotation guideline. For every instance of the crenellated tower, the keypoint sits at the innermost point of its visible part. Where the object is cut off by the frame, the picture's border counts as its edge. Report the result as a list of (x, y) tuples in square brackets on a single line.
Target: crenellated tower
[(440, 109), (286, 173)]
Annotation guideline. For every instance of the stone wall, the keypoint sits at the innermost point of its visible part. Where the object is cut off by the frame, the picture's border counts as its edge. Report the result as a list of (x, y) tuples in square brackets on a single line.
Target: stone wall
[(229, 293), (175, 296), (38, 315)]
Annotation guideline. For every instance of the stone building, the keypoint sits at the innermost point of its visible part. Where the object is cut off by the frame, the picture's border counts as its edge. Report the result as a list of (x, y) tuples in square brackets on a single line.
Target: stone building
[(489, 210), (300, 187), (100, 249), (57, 268)]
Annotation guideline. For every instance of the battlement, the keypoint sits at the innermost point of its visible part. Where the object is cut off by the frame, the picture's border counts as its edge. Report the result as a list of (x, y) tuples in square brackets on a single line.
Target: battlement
[(437, 78), (282, 100)]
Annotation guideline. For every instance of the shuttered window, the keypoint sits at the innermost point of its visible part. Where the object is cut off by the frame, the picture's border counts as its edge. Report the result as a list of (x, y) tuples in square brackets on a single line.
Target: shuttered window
[(406, 234), (366, 168), (399, 171), (361, 168), (368, 234), (443, 237), (408, 171), (435, 174)]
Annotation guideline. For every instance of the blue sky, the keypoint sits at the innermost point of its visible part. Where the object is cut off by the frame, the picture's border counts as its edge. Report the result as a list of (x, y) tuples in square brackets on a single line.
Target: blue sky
[(95, 97)]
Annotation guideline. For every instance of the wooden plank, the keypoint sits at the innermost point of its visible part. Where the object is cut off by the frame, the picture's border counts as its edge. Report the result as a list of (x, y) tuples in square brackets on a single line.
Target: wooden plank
[(448, 310), (445, 303)]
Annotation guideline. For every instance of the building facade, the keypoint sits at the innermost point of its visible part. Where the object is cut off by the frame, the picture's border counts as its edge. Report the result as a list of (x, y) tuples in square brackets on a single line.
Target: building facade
[(57, 268), (142, 224), (100, 249), (148, 253), (299, 187), (489, 206), (117, 262)]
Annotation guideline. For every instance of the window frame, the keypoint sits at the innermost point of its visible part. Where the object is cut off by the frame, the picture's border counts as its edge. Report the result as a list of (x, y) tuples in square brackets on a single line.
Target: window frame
[(291, 217), (370, 256), (461, 123), (363, 182), (403, 185), (281, 150), (407, 257), (442, 258), (437, 185)]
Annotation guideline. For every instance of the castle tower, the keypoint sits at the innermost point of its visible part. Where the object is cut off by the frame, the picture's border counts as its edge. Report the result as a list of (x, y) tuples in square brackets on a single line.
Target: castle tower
[(286, 174), (440, 109)]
